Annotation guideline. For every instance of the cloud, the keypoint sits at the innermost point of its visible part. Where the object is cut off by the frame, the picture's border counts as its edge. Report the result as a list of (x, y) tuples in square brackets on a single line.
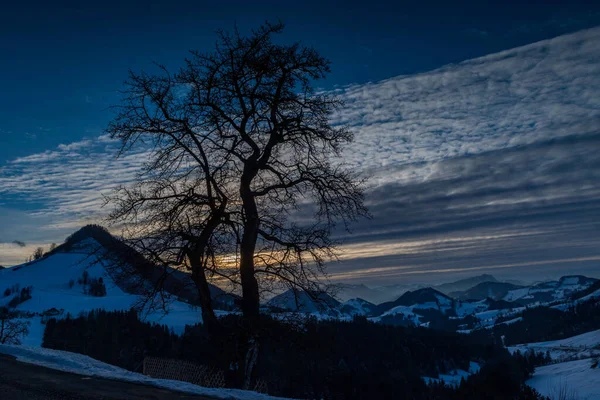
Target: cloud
[(534, 205), (513, 98), (490, 164), (67, 183), (76, 146), (505, 142)]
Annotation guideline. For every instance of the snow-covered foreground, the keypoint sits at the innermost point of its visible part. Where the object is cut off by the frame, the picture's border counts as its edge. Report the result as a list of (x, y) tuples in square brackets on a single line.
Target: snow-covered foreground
[(576, 378), (84, 365)]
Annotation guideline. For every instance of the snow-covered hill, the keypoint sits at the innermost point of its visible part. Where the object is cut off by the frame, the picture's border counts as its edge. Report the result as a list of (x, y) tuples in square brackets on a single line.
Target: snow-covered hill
[(412, 307), (357, 306), (57, 288), (538, 293), (551, 290)]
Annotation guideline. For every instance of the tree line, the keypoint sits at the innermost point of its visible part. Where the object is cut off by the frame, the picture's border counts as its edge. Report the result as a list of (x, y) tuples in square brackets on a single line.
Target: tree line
[(319, 359)]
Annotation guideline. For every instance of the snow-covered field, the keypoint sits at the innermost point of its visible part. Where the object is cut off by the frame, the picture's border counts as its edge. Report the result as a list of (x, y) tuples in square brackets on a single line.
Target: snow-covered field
[(577, 378), (574, 375), (84, 365)]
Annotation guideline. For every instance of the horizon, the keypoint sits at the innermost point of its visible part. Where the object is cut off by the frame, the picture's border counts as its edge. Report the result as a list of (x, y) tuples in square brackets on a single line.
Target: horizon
[(477, 165)]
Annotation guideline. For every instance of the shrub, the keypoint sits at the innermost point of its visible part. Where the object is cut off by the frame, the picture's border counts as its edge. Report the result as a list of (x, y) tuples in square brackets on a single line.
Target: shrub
[(37, 254), (15, 301), (97, 287), (24, 295), (10, 290)]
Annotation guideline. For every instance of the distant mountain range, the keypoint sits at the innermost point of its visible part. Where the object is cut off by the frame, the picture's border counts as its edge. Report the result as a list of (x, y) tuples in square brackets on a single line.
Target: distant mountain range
[(345, 291), (483, 290), (387, 293), (485, 303), (473, 303)]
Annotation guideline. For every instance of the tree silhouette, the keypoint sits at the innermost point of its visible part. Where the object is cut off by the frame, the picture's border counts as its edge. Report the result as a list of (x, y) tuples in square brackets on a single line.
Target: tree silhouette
[(242, 152), (37, 253)]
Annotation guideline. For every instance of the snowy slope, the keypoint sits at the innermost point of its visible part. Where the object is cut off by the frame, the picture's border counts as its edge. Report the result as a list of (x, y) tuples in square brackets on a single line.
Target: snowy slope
[(464, 308), (589, 339), (551, 290), (593, 295), (574, 374), (412, 305), (578, 378), (87, 366), (49, 279), (585, 345), (354, 307)]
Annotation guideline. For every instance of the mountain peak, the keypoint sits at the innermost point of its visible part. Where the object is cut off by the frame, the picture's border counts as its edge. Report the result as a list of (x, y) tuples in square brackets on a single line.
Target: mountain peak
[(465, 284), (419, 296)]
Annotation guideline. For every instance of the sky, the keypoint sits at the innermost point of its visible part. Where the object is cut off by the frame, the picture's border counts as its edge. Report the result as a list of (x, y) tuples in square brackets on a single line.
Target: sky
[(481, 153)]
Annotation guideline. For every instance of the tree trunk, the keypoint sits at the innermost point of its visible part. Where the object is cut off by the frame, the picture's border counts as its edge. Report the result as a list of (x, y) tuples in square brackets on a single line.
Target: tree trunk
[(209, 319), (197, 262), (251, 299), (250, 292)]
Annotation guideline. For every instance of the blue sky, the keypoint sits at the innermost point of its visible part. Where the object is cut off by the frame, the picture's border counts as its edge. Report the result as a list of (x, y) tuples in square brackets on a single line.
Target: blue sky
[(63, 62), (467, 160)]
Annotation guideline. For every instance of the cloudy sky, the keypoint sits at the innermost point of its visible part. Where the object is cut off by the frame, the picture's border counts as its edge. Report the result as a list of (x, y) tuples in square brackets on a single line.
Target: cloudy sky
[(479, 128)]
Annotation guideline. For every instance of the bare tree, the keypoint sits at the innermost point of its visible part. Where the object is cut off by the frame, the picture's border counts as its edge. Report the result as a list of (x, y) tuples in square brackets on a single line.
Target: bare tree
[(37, 253), (243, 155), (264, 114), (11, 329)]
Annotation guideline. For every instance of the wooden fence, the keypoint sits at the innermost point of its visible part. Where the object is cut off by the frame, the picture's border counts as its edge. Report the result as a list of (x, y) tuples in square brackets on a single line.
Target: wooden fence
[(180, 370), (186, 371)]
